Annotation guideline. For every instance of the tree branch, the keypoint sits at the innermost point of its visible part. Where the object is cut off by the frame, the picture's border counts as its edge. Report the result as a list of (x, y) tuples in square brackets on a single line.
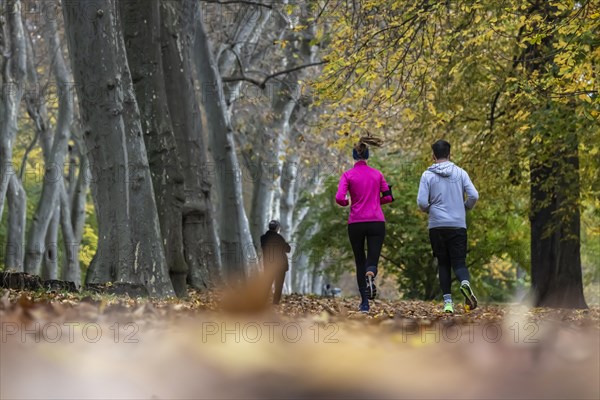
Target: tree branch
[(395, 263), (26, 154), (263, 84), (247, 2), (243, 78)]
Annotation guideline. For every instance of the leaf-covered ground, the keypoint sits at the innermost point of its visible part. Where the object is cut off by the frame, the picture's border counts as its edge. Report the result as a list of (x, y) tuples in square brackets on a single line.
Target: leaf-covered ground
[(228, 345)]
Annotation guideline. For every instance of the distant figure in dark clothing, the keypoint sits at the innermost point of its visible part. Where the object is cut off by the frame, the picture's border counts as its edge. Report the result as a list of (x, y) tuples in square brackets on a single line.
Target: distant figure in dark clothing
[(275, 261)]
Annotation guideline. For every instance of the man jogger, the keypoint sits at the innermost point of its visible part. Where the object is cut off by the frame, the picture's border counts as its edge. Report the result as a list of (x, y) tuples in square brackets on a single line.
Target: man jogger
[(442, 192)]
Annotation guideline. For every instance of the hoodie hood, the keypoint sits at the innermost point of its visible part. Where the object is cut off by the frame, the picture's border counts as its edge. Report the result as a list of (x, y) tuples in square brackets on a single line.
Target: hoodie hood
[(443, 169)]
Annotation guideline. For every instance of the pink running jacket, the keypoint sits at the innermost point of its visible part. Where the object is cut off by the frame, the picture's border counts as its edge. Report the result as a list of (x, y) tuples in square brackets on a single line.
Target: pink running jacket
[(365, 185)]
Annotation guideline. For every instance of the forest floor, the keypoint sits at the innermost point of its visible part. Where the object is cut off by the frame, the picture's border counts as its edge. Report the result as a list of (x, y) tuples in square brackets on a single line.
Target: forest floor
[(229, 345)]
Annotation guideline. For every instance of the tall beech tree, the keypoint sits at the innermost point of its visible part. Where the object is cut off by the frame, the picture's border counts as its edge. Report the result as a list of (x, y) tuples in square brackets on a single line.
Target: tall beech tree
[(130, 247), (556, 277), (42, 240), (237, 248), (278, 48), (12, 76), (142, 39), (201, 243), (71, 194)]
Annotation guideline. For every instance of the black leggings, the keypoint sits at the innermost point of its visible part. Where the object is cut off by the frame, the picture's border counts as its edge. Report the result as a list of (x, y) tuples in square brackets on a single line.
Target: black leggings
[(374, 233), (450, 248)]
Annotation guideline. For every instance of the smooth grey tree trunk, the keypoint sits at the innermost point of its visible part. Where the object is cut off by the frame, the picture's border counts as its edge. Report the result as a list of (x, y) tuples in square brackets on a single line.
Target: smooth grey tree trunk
[(78, 197), (229, 57), (142, 39), (50, 249), (286, 105), (199, 232), (289, 175), (53, 176), (316, 280), (37, 110), (71, 270), (275, 137), (129, 246), (237, 248), (17, 211), (12, 74), (248, 32), (289, 182), (302, 258), (262, 196)]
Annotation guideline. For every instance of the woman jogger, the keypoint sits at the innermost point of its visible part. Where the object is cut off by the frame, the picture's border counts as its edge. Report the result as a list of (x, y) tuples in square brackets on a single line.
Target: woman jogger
[(368, 191)]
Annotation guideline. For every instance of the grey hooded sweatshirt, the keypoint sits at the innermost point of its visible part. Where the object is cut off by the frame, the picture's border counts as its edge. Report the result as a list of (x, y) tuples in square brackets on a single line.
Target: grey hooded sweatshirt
[(442, 194)]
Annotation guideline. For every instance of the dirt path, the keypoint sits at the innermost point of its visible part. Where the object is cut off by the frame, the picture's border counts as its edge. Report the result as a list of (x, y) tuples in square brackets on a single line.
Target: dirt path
[(66, 346)]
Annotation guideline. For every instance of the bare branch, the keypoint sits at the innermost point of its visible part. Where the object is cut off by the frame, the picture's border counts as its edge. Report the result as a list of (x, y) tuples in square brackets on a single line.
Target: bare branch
[(263, 84), (247, 2), (26, 154)]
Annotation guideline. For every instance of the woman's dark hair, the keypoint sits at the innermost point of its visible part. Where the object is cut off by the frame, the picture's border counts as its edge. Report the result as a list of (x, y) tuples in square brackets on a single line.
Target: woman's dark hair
[(361, 149), (441, 149)]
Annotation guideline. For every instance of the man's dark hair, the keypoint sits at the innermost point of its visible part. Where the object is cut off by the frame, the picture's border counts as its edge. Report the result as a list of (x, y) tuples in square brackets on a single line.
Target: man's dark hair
[(274, 225), (441, 149)]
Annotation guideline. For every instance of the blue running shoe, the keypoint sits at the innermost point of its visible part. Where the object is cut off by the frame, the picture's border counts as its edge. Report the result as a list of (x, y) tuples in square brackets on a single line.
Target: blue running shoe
[(364, 306)]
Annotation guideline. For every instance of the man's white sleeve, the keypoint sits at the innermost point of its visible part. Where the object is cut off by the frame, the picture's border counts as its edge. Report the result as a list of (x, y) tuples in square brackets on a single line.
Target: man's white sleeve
[(470, 191), (423, 196)]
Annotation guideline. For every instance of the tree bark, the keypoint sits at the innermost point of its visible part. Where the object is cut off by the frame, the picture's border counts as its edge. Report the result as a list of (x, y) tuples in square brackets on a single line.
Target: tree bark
[(317, 280), (237, 249), (142, 38), (262, 196), (17, 211), (55, 160), (288, 101), (231, 57), (289, 182), (12, 74), (71, 271), (78, 198), (248, 32), (129, 247), (50, 247), (556, 277), (36, 108), (199, 233)]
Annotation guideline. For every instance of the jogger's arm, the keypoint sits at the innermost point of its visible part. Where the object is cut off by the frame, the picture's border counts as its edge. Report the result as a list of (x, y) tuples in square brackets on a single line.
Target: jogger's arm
[(470, 191), (386, 190), (340, 196), (423, 196)]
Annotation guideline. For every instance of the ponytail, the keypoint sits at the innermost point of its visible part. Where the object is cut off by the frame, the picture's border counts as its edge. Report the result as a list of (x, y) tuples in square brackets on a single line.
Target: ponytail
[(361, 149)]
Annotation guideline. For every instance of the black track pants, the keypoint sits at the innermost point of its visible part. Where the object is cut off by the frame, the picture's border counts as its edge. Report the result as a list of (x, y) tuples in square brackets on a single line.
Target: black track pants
[(374, 234), (450, 248)]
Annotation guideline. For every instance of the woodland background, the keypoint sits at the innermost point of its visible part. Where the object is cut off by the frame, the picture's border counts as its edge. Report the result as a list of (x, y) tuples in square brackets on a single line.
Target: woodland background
[(151, 141)]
